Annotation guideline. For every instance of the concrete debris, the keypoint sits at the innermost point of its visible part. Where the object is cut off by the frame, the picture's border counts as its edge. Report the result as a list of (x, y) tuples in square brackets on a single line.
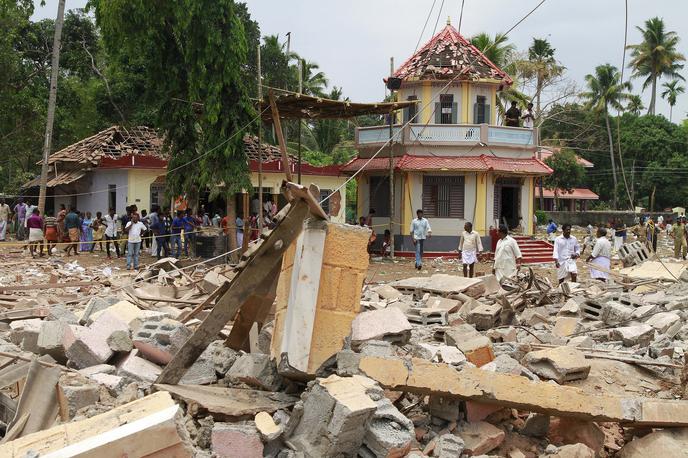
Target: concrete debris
[(561, 364), (388, 324), (667, 442), (256, 370), (480, 437)]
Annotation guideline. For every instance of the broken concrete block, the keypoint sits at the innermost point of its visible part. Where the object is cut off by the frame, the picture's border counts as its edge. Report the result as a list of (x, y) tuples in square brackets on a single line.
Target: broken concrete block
[(445, 408), (570, 308), (643, 310), (139, 369), (581, 342), (388, 324), (51, 340), (334, 416), (592, 309), (479, 411), (112, 382), (212, 280), (480, 437), (565, 326), (120, 342), (536, 425), (427, 316), (442, 303), (663, 321), (573, 451), (96, 304), (78, 391), (476, 347), (561, 364), (641, 334), (448, 446), (201, 372), (85, 347), (98, 369), (379, 348), (503, 335), (667, 442), (124, 311), (450, 355), (505, 364), (108, 322), (232, 440), (59, 312), (266, 426), (484, 316), (25, 333), (387, 292), (390, 433), (615, 312), (256, 370), (158, 341), (571, 431), (222, 356)]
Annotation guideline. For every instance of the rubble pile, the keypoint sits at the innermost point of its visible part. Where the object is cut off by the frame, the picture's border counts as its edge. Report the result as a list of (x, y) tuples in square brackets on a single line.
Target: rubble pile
[(312, 363)]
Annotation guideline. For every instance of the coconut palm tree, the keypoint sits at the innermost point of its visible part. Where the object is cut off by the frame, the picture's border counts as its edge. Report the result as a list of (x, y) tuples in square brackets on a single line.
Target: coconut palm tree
[(656, 57), (542, 66), (314, 82), (672, 90), (503, 55), (606, 91), (635, 105)]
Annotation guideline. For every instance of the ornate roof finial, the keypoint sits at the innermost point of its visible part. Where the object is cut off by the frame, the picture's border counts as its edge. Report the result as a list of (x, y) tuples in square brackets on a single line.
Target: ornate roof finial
[(448, 20)]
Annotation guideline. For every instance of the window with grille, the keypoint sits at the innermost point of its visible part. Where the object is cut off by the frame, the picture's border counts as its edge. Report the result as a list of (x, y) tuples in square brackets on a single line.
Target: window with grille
[(324, 193), (379, 195), (410, 112), (481, 110), (446, 108), (443, 196)]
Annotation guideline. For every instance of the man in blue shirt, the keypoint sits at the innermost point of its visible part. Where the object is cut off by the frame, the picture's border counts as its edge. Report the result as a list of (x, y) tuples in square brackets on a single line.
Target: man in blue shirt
[(551, 230), (189, 234), (176, 239)]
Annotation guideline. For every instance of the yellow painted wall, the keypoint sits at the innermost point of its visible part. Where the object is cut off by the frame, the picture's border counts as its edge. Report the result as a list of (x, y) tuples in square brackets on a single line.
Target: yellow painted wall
[(465, 104), (493, 105), (360, 211), (138, 187), (407, 210), (426, 97), (479, 222), (530, 182)]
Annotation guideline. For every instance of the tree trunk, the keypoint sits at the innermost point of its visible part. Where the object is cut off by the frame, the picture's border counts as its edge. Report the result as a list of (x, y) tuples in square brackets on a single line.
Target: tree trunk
[(52, 101), (538, 90), (633, 181), (652, 198), (611, 156), (653, 98), (671, 112)]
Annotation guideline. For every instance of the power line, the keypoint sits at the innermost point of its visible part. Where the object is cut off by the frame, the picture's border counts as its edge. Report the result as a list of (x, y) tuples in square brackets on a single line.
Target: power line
[(439, 13), (461, 16), (425, 25)]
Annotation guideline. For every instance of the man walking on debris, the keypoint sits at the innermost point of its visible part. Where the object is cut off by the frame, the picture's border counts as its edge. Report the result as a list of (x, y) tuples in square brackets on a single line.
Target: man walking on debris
[(679, 235), (507, 256), (566, 251), (470, 247), (420, 230), (601, 255), (4, 219)]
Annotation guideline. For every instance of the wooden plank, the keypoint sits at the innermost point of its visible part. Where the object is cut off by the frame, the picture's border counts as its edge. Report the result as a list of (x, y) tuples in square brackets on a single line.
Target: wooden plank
[(74, 284), (38, 399), (267, 255), (24, 314), (303, 294), (229, 403), (280, 136), (254, 310), (140, 428), (184, 318)]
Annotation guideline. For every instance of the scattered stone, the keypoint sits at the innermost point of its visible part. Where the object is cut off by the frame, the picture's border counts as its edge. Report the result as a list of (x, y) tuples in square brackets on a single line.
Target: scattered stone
[(581, 342), (484, 316), (390, 433), (565, 326), (85, 347), (536, 425), (480, 437), (387, 292), (25, 333), (615, 312), (448, 446), (641, 334), (663, 443), (51, 340), (120, 341), (256, 370), (388, 324), (476, 347), (232, 440), (267, 427), (139, 369), (663, 321), (445, 408), (78, 391), (378, 348), (573, 451), (158, 341), (61, 313), (561, 364)]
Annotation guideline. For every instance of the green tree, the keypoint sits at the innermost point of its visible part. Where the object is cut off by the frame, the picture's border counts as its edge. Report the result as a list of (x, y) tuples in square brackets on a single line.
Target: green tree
[(605, 90), (194, 55), (671, 91), (314, 82), (635, 104), (275, 68), (656, 57), (567, 173)]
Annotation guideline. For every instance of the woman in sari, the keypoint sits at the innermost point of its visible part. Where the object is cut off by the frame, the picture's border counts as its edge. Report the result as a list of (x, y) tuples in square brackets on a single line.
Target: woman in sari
[(86, 232)]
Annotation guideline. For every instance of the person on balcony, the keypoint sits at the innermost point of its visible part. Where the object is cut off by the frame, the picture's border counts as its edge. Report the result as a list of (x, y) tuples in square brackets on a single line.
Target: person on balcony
[(512, 116), (529, 117), (470, 247)]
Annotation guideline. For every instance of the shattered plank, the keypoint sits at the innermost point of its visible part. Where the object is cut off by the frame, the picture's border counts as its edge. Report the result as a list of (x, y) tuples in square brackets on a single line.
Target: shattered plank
[(38, 399), (422, 377), (184, 318), (229, 404), (74, 284), (144, 427), (268, 254), (24, 314)]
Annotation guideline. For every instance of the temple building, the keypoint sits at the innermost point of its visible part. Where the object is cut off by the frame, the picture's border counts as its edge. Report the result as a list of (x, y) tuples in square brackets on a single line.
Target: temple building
[(452, 159)]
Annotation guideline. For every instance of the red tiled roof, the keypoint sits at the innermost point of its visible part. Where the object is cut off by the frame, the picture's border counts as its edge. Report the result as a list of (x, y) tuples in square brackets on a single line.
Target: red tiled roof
[(447, 55), (544, 154), (577, 193), (306, 168), (483, 163)]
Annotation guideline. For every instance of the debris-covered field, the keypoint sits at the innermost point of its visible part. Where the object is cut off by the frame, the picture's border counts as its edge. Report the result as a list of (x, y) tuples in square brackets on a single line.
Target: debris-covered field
[(340, 359)]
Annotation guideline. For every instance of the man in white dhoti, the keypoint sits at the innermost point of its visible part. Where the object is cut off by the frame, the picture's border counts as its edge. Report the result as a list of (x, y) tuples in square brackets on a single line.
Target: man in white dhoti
[(507, 256), (601, 255), (566, 251), (470, 247)]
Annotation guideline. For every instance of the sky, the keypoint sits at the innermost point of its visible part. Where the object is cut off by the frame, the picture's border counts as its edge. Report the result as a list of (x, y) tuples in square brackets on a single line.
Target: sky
[(353, 40)]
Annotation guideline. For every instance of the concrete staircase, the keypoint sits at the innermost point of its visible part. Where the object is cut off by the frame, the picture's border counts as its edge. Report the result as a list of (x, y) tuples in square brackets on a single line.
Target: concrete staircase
[(534, 251)]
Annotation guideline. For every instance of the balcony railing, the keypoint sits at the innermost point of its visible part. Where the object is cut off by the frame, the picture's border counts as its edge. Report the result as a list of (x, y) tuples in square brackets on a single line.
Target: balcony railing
[(448, 134)]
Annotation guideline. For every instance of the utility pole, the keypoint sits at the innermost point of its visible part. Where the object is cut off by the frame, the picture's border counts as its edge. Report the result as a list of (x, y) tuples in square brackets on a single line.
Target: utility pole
[(298, 130), (391, 168), (52, 100), (260, 144)]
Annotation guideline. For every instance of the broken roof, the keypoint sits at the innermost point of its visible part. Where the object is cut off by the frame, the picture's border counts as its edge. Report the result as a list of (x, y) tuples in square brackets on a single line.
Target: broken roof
[(300, 106), (449, 55), (113, 142)]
